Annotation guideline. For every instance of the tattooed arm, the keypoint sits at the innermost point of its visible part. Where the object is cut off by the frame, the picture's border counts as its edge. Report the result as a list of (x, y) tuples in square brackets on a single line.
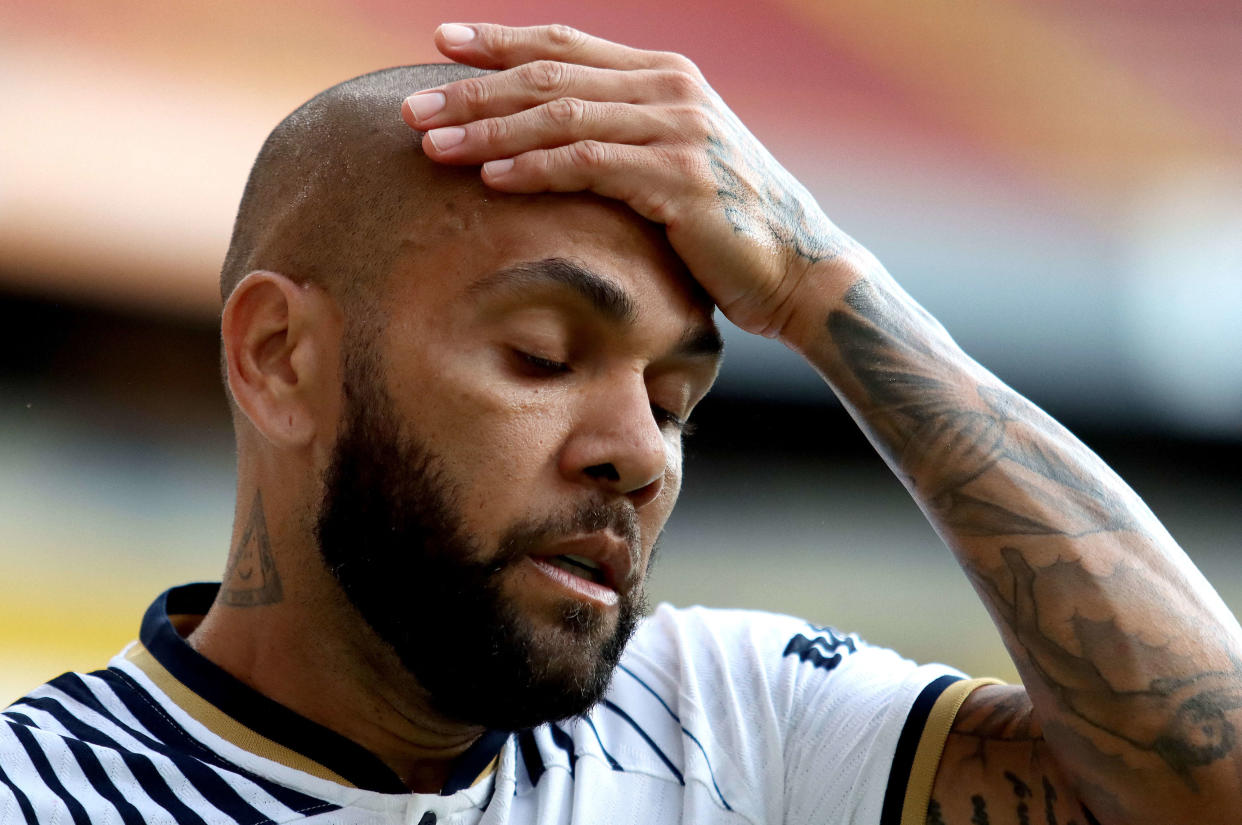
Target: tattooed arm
[(1131, 662), (1132, 666)]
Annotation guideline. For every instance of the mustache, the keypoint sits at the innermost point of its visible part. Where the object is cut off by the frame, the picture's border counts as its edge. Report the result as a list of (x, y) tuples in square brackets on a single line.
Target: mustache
[(618, 518)]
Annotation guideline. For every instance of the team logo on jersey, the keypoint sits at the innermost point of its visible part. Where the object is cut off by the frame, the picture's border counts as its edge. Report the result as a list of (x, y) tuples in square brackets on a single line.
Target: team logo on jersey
[(823, 650)]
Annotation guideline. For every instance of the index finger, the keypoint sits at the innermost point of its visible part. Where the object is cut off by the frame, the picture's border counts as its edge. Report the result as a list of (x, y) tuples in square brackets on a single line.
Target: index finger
[(491, 46)]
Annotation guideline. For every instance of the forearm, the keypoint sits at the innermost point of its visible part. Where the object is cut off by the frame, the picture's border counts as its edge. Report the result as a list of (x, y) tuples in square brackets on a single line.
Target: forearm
[(1124, 648)]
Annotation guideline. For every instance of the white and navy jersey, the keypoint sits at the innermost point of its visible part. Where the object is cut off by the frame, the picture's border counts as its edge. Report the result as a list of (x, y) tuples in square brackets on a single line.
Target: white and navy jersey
[(713, 716)]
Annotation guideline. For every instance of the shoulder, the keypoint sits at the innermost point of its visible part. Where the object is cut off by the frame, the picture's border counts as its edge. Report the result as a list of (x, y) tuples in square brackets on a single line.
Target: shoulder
[(672, 631), (748, 649), (689, 723), (78, 707), (63, 745), (100, 746), (794, 718)]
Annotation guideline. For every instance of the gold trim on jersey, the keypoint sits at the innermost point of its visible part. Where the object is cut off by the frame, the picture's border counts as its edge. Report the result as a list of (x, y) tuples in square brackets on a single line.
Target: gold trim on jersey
[(223, 725), (488, 770), (931, 746)]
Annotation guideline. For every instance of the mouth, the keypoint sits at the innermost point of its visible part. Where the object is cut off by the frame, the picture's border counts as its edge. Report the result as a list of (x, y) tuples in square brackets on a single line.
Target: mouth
[(592, 567), (579, 566)]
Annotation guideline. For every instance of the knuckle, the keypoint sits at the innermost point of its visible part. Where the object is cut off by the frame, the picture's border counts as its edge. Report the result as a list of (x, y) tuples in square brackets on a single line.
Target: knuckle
[(490, 130), (680, 63), (695, 121), (564, 37), (566, 111), (502, 38), (681, 85), (540, 163), (589, 153), (472, 93), (547, 76)]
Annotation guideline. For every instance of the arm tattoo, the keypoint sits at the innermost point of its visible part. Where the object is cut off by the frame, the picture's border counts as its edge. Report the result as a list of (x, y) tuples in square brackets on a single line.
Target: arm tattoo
[(1050, 802), (250, 578), (942, 443), (981, 810), (1001, 480), (1024, 797), (1195, 733), (1023, 792)]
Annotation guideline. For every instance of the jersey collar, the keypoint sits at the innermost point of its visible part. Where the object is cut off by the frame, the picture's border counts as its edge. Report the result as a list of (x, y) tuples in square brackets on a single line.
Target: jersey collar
[(232, 709)]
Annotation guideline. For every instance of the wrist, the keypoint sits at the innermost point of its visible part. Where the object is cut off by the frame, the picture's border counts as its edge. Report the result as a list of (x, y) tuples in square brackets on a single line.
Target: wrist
[(821, 287)]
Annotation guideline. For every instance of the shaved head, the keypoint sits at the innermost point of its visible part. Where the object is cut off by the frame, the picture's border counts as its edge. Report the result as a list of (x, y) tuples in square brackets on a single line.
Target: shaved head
[(336, 180)]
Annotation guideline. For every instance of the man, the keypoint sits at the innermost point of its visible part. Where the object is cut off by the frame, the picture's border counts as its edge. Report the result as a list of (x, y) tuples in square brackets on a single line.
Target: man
[(459, 405)]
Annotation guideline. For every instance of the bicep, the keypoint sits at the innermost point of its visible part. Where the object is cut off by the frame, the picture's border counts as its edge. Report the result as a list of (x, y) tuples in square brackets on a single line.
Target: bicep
[(996, 768)]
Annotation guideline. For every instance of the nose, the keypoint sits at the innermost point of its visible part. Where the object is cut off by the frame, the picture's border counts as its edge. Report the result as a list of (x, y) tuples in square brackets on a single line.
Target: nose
[(617, 445)]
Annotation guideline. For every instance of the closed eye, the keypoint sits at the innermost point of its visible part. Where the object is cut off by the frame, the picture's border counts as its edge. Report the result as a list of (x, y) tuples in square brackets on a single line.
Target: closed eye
[(541, 366), (666, 418)]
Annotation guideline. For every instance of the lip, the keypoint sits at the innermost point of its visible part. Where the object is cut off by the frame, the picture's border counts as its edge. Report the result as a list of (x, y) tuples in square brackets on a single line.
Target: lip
[(581, 589), (609, 551)]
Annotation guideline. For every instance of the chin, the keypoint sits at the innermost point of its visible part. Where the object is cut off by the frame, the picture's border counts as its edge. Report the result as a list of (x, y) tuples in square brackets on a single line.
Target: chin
[(574, 632), (569, 652)]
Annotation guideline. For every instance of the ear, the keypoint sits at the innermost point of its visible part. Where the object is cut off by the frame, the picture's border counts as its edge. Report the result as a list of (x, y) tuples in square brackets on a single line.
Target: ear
[(282, 351)]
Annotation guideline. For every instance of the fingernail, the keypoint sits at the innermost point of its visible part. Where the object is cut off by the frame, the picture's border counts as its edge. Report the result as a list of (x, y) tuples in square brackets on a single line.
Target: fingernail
[(426, 104), (456, 34), (446, 137), (496, 168)]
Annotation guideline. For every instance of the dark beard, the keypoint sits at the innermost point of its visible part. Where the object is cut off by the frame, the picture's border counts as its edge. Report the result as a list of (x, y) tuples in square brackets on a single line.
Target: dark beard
[(390, 534)]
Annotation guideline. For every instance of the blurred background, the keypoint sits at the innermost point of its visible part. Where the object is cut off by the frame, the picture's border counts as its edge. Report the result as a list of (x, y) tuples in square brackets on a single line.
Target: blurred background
[(1059, 182)]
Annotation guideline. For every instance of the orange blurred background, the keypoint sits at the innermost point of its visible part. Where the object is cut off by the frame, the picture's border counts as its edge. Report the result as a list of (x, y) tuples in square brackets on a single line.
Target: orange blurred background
[(1060, 183)]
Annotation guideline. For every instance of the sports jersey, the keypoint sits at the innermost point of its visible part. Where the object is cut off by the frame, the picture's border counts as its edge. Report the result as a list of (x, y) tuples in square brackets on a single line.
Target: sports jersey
[(713, 716)]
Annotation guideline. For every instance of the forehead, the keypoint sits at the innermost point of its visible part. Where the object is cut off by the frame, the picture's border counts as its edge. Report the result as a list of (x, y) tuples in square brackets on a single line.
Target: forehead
[(460, 244)]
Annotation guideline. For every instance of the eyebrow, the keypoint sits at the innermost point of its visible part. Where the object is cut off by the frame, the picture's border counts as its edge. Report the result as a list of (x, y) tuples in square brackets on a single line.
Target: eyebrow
[(700, 341), (608, 299), (605, 297)]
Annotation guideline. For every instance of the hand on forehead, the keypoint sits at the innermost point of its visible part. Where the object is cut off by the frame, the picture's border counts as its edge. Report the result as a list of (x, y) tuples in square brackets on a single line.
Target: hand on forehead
[(568, 112)]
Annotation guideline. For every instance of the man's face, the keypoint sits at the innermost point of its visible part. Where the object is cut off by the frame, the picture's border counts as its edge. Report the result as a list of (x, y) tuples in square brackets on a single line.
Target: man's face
[(510, 449)]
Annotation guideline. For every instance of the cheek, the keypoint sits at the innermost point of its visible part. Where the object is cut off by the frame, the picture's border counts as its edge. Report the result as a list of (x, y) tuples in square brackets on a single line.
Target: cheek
[(504, 466), (495, 437), (501, 449), (656, 514)]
